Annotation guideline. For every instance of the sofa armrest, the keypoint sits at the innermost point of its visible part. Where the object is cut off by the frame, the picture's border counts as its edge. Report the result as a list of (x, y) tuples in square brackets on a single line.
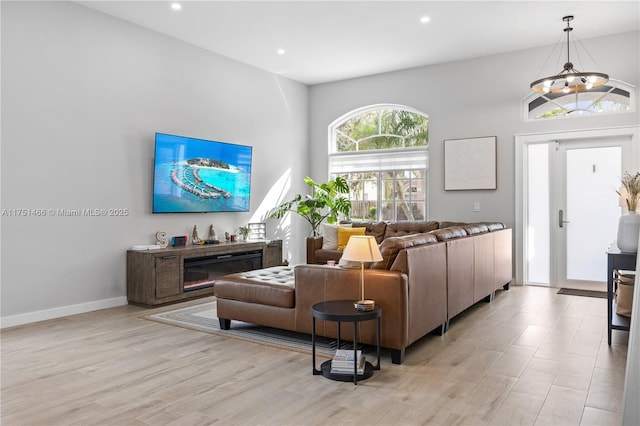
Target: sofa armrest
[(389, 289), (313, 244)]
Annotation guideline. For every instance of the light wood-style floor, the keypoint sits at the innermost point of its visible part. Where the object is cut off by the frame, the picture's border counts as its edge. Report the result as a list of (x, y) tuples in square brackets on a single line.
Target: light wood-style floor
[(529, 357)]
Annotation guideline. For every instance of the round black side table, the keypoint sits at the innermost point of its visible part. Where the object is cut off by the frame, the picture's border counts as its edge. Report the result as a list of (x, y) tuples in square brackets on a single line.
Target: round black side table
[(345, 311)]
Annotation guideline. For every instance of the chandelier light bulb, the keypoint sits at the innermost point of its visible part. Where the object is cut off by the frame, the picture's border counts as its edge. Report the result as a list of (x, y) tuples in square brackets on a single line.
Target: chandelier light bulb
[(592, 79), (547, 83), (589, 85), (570, 78), (546, 89), (566, 89)]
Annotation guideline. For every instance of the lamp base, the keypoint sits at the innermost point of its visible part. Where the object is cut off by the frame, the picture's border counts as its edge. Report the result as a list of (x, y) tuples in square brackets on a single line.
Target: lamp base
[(365, 305)]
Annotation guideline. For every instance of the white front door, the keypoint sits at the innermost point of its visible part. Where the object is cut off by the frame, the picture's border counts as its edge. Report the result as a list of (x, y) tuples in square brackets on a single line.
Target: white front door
[(585, 176), (569, 205)]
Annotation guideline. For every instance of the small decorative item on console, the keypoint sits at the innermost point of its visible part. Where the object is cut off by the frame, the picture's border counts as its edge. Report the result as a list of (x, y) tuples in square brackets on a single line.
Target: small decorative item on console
[(244, 232), (179, 240), (161, 239), (257, 231), (195, 237), (212, 233), (629, 224)]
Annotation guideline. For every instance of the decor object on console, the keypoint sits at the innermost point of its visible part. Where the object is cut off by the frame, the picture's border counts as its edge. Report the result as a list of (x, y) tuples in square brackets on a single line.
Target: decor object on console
[(195, 237), (629, 224), (257, 231), (212, 233), (179, 240), (244, 232), (161, 239), (569, 79), (324, 204), (362, 248), (624, 293)]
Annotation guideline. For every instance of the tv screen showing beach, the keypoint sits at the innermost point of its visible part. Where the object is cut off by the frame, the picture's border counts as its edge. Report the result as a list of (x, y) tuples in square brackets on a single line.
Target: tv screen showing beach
[(196, 175)]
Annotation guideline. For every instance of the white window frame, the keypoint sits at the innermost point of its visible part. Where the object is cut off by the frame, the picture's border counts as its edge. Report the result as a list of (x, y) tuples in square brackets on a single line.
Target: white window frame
[(394, 200), (377, 160)]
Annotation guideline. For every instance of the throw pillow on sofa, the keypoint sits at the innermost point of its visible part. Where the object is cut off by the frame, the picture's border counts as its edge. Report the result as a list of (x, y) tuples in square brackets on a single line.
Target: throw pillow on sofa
[(345, 233), (330, 236)]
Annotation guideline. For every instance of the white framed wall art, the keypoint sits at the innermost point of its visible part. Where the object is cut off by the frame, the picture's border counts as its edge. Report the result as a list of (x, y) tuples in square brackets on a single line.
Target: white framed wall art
[(470, 163)]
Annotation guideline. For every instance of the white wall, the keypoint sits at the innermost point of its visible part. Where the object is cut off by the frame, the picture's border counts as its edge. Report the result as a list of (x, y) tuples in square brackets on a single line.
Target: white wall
[(82, 97), (476, 97), (630, 406)]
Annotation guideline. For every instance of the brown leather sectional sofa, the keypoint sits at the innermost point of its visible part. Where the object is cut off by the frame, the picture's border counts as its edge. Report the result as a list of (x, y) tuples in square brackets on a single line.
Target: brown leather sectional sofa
[(424, 280)]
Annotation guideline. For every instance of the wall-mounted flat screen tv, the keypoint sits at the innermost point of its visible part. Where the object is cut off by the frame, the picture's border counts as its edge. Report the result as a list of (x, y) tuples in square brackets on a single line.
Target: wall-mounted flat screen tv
[(200, 176)]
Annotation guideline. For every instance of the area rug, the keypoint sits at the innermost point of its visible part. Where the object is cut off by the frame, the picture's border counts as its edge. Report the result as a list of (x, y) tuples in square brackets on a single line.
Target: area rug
[(204, 318), (585, 293)]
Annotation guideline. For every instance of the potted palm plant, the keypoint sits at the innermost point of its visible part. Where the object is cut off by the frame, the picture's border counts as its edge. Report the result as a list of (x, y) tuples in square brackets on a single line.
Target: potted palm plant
[(325, 203)]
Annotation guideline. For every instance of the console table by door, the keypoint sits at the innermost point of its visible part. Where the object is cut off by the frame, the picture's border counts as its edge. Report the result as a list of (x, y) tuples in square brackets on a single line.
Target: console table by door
[(617, 260)]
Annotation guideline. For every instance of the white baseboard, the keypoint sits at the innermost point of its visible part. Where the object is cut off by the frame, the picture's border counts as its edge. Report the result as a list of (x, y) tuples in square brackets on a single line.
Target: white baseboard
[(63, 311)]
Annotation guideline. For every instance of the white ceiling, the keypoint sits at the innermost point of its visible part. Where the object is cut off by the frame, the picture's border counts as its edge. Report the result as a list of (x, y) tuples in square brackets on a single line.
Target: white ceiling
[(335, 40)]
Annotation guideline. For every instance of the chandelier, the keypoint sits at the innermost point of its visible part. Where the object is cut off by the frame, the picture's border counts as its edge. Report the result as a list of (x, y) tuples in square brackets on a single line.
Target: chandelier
[(569, 79)]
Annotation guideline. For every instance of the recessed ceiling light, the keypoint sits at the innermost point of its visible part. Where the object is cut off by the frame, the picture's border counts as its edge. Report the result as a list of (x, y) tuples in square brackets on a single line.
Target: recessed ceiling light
[(176, 6), (281, 52), (425, 19)]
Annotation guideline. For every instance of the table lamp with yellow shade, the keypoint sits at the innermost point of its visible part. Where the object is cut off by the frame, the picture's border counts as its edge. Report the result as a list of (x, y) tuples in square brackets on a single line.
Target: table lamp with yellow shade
[(362, 248)]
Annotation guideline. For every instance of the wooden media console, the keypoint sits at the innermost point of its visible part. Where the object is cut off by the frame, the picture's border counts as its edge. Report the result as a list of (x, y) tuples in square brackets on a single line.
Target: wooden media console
[(174, 274)]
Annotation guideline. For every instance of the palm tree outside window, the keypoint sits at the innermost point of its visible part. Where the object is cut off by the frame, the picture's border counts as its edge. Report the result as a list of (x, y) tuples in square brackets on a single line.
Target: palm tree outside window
[(383, 153)]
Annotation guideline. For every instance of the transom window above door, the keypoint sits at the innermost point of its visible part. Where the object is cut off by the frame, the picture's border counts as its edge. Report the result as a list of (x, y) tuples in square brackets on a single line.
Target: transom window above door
[(614, 97)]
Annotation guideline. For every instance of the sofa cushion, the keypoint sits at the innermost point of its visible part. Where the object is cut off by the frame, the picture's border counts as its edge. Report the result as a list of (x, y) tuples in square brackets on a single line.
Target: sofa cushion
[(330, 235), (448, 224), (475, 228), (271, 286), (345, 233), (375, 229), (449, 233), (321, 256), (405, 227), (391, 246), (494, 226)]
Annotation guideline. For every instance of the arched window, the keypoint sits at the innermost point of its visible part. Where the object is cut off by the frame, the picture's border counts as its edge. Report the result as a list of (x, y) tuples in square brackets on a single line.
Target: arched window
[(613, 97), (383, 152)]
